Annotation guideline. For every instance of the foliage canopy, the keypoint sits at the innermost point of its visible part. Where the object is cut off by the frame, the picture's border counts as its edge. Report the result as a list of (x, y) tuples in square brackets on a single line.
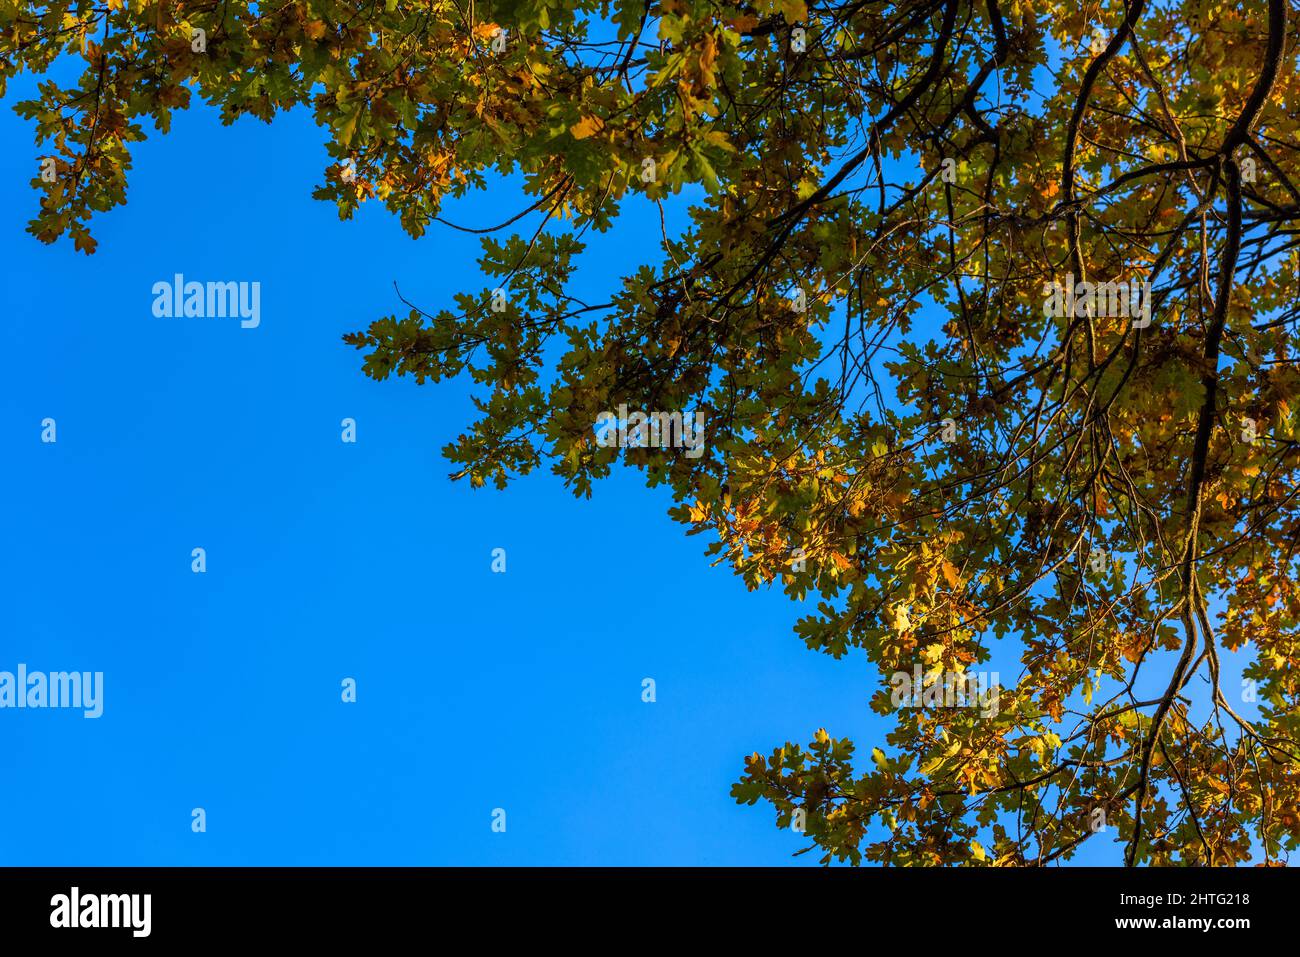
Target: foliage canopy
[(880, 194)]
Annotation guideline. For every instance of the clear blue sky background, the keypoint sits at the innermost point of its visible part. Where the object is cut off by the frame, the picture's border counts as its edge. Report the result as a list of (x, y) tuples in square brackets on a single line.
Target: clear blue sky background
[(326, 560)]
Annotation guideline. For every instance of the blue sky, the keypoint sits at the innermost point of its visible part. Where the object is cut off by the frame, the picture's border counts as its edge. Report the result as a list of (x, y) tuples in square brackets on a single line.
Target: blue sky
[(328, 561)]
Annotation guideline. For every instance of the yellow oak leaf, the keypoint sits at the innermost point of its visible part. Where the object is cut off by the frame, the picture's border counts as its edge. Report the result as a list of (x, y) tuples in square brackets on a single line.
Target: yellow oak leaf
[(587, 126)]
